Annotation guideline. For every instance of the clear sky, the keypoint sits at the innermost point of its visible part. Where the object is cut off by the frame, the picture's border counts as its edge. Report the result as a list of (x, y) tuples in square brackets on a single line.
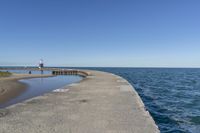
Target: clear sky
[(113, 33)]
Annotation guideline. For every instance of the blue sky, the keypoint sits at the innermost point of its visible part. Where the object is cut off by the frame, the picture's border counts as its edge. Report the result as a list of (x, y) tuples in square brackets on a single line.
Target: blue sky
[(113, 33)]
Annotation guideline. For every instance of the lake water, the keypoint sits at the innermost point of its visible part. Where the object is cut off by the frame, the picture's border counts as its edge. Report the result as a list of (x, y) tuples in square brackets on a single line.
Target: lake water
[(171, 95)]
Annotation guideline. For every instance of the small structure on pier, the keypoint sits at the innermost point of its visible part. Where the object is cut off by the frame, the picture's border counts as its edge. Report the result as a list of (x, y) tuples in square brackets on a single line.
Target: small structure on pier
[(41, 64)]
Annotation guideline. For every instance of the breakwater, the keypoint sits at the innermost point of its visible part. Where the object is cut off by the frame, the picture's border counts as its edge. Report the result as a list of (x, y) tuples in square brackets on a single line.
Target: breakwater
[(102, 102)]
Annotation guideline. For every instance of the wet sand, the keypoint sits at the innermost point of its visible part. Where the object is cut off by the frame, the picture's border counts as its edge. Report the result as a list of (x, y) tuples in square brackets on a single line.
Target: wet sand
[(10, 87)]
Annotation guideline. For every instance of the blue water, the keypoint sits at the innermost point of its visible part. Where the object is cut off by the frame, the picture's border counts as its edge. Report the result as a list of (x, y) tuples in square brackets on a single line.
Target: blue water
[(171, 95), (40, 86)]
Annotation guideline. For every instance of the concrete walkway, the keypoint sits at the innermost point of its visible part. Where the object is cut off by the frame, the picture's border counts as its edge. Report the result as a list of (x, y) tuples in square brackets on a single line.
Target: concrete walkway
[(101, 103)]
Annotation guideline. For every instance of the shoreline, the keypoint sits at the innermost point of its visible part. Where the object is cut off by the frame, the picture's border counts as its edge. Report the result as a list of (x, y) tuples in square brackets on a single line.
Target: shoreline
[(102, 102), (10, 87)]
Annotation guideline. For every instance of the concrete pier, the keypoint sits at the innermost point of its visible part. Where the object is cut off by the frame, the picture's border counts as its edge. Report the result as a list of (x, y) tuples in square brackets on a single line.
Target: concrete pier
[(101, 103)]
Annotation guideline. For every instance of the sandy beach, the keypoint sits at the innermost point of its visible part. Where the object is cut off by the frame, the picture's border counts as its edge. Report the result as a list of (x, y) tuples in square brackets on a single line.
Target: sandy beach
[(10, 87)]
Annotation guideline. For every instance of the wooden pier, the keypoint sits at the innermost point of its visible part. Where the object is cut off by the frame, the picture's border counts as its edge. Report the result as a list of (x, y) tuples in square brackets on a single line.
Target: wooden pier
[(70, 72)]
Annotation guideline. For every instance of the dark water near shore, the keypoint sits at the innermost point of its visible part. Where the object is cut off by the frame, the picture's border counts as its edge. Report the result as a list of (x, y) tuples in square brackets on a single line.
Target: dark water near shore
[(171, 95)]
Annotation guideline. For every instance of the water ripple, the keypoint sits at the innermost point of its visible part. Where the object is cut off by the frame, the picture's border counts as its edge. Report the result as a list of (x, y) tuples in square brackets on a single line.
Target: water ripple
[(171, 95)]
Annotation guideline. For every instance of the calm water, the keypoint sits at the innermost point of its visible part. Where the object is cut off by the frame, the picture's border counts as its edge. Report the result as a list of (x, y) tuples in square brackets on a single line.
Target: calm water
[(40, 86), (171, 95)]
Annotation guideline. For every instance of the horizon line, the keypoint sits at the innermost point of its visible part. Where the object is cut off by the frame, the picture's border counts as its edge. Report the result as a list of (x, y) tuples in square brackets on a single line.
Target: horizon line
[(103, 66)]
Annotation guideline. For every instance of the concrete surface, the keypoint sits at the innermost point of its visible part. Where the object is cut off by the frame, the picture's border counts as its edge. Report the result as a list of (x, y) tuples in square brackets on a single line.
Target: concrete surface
[(101, 103)]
